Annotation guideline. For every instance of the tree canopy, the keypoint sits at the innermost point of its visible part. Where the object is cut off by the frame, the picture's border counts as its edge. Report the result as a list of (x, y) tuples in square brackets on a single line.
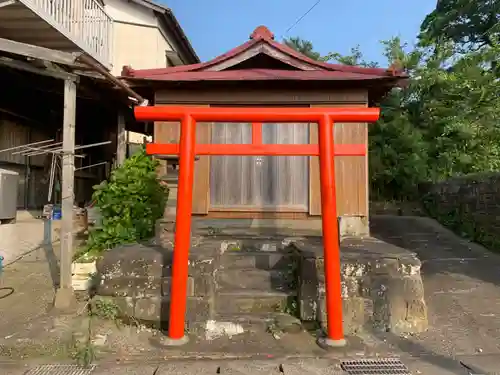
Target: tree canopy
[(446, 122)]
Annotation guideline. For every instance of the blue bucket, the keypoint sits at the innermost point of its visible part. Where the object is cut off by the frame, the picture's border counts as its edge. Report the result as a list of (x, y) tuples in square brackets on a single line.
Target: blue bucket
[(1, 263), (56, 213)]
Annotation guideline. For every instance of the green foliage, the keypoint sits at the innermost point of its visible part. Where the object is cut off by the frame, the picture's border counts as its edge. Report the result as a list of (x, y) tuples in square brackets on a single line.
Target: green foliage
[(354, 59), (462, 222), (468, 24), (303, 46), (446, 121), (130, 203)]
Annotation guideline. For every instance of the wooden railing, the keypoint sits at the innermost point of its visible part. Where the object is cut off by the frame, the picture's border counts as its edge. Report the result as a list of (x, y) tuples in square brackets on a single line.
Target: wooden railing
[(84, 22)]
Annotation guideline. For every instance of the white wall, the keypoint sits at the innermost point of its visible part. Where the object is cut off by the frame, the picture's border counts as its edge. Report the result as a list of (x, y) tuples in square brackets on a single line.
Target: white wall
[(122, 10), (138, 40)]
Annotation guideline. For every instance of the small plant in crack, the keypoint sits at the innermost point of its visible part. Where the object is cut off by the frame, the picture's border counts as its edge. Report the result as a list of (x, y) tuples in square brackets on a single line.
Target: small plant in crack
[(214, 231), (274, 330), (292, 306), (234, 247), (84, 349)]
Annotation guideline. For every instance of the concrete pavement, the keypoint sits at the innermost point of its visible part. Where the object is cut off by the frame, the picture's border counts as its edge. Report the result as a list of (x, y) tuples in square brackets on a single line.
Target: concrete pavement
[(24, 236), (309, 366)]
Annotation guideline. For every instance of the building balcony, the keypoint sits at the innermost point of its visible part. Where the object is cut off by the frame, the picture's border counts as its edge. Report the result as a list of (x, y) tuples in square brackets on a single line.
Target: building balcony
[(64, 25)]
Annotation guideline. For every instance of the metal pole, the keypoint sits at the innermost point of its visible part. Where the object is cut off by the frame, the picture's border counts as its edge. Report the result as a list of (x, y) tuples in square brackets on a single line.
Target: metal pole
[(29, 150), (180, 262), (41, 150), (335, 334), (91, 165), (29, 144), (52, 176), (76, 148)]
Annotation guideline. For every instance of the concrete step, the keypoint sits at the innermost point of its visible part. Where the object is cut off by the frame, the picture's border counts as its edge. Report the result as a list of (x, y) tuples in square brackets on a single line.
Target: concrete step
[(264, 260), (266, 321), (252, 278), (247, 301)]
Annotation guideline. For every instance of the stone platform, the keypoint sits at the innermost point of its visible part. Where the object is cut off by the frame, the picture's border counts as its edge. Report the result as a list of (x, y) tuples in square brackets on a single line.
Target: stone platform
[(258, 281)]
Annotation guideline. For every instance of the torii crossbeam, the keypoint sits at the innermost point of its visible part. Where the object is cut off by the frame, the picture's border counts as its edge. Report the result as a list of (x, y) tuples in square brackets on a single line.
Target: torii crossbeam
[(325, 149)]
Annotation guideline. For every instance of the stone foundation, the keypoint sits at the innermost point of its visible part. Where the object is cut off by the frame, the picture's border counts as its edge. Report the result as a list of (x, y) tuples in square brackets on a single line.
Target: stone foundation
[(256, 279), (381, 287), (137, 278)]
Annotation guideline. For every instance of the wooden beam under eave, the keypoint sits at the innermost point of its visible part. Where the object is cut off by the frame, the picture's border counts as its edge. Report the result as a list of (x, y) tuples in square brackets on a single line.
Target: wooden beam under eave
[(42, 53), (21, 65)]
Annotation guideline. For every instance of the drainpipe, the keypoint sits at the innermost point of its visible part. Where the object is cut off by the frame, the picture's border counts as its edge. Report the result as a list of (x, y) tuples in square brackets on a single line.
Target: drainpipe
[(84, 58)]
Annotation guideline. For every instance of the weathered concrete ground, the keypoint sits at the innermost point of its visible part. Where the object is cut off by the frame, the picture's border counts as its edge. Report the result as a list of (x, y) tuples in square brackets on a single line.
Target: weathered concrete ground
[(26, 235), (462, 285)]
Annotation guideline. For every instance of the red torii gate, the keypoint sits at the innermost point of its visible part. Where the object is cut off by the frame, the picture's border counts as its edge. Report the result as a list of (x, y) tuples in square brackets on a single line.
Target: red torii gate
[(187, 149)]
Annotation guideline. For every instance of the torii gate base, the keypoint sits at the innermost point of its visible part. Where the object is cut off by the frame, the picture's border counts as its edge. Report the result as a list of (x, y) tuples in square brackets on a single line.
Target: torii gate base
[(325, 149)]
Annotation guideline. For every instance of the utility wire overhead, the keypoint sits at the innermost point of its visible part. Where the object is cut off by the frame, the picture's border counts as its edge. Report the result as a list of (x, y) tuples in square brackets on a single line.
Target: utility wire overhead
[(302, 17)]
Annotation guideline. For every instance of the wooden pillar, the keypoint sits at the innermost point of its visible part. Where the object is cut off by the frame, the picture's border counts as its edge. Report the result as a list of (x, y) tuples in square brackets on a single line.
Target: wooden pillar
[(65, 297), (121, 141)]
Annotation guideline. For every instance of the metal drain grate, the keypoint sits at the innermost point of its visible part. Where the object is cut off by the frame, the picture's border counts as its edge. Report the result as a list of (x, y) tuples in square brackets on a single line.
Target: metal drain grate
[(384, 366), (61, 370)]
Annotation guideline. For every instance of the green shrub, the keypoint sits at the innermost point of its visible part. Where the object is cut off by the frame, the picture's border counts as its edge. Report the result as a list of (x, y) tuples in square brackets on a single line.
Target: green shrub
[(130, 203)]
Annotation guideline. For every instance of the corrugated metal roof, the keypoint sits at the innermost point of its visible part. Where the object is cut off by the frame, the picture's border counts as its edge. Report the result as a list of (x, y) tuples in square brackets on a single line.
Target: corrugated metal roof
[(316, 70)]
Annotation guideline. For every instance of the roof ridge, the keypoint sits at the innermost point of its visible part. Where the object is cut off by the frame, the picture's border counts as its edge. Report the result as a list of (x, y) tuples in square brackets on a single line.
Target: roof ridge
[(262, 34)]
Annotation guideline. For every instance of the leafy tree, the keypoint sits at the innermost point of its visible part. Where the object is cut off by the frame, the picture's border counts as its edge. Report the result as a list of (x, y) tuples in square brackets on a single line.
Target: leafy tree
[(303, 46), (355, 58), (446, 122), (469, 24)]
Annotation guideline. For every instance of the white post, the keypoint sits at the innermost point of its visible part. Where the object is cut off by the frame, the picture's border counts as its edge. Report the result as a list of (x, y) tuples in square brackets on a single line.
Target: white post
[(121, 141), (65, 297)]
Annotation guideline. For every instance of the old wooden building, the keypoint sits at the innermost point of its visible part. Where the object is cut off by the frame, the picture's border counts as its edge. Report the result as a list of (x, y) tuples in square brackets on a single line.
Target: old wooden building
[(263, 72)]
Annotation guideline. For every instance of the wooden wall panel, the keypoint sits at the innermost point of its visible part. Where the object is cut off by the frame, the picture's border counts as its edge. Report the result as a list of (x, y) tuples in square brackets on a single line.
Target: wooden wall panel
[(351, 172), (269, 96), (169, 132)]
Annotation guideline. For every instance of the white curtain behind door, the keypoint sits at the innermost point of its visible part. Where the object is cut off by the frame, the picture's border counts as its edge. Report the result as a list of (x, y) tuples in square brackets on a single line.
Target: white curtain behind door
[(260, 182)]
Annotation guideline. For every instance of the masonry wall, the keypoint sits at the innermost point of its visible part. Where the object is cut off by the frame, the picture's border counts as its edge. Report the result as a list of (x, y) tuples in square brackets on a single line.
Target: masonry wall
[(470, 205)]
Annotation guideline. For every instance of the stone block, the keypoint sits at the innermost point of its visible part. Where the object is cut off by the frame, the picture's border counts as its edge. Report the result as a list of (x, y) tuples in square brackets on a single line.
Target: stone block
[(255, 279), (263, 261), (390, 284), (308, 293), (132, 260), (132, 270), (356, 226), (354, 316), (399, 305), (248, 303), (137, 287), (200, 285), (156, 310)]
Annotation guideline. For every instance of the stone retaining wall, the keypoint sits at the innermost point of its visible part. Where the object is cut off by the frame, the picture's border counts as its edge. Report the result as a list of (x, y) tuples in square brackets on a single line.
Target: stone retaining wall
[(381, 290), (381, 283), (469, 205), (137, 279)]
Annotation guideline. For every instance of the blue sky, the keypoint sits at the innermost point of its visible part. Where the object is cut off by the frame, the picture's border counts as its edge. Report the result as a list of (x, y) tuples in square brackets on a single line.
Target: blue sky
[(215, 26)]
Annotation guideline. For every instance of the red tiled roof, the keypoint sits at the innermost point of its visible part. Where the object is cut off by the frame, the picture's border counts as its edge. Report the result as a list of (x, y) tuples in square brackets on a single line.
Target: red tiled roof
[(316, 70)]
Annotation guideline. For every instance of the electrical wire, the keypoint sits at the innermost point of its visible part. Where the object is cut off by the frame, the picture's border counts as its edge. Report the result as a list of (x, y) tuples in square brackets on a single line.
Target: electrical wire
[(303, 16)]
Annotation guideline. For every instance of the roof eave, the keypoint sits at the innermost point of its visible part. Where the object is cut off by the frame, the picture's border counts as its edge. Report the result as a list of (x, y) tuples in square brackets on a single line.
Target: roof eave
[(385, 81), (174, 26)]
